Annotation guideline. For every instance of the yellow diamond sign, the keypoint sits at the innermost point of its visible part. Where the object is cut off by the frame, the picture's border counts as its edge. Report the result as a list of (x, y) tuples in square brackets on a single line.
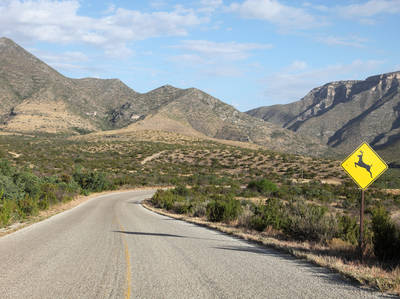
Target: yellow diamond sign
[(364, 165)]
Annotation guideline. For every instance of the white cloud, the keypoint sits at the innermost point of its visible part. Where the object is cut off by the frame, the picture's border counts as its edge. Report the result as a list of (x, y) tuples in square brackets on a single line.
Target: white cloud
[(352, 41), (59, 22), (216, 51), (370, 8), (158, 4), (291, 84), (284, 16), (297, 65), (322, 8), (70, 61), (111, 8), (209, 6), (215, 58)]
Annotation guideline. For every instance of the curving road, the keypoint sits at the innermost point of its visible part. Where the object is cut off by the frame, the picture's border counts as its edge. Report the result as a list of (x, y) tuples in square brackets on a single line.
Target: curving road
[(112, 247)]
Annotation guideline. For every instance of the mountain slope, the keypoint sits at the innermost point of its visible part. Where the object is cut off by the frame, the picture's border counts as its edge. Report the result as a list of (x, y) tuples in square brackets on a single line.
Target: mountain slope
[(343, 114), (194, 112), (35, 97)]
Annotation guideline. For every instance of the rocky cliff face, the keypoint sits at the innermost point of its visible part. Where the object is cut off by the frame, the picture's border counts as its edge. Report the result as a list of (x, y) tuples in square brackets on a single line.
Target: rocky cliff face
[(343, 114)]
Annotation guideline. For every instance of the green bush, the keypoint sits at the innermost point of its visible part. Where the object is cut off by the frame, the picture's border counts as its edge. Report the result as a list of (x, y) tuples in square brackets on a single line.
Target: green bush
[(47, 194), (270, 214), (386, 236), (223, 209), (263, 186), (163, 199), (7, 208), (92, 181), (27, 206), (181, 207), (5, 168), (28, 183), (181, 190), (309, 222), (348, 229), (8, 188)]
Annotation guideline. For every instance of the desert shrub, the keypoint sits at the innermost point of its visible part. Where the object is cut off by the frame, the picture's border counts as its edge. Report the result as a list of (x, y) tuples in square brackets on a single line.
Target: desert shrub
[(223, 209), (309, 222), (199, 208), (92, 181), (8, 188), (47, 195), (181, 206), (181, 190), (348, 229), (269, 214), (163, 199), (27, 206), (246, 215), (386, 236), (7, 209), (27, 183), (5, 168), (263, 186)]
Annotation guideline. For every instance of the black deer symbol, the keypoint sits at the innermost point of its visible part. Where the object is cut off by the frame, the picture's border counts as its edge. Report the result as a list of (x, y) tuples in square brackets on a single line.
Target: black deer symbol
[(362, 164)]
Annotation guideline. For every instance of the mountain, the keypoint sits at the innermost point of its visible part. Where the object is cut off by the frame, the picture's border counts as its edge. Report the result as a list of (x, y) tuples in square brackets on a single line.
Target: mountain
[(343, 114), (194, 112), (36, 98)]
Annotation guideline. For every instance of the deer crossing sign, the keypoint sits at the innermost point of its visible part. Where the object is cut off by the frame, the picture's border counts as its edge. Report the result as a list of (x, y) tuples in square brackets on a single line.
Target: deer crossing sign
[(364, 166)]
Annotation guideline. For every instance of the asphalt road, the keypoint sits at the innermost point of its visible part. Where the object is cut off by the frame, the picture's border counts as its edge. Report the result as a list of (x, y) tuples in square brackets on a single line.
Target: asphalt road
[(112, 247)]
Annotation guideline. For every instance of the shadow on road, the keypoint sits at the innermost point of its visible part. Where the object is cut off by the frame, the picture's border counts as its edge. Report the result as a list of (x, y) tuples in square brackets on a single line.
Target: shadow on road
[(148, 234), (317, 271), (166, 235), (134, 202)]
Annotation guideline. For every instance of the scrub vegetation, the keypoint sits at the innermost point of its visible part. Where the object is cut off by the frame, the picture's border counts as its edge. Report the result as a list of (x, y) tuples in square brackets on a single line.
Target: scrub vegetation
[(285, 197)]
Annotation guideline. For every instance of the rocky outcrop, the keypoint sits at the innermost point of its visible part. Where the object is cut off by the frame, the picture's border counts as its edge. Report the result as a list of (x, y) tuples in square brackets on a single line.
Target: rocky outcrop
[(343, 114)]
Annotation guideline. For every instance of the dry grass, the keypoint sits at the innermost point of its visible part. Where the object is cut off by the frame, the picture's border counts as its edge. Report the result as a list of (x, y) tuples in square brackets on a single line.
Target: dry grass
[(337, 256), (44, 116)]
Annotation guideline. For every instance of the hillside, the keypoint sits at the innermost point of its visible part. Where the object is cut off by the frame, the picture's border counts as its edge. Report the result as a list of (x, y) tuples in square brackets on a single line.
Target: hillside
[(343, 114), (196, 113), (36, 98)]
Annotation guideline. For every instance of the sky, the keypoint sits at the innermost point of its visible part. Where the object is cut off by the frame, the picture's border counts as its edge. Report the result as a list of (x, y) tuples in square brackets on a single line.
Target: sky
[(247, 53)]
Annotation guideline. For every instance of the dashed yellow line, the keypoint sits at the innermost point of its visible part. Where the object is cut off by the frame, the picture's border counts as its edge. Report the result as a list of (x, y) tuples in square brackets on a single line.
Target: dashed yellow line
[(128, 265)]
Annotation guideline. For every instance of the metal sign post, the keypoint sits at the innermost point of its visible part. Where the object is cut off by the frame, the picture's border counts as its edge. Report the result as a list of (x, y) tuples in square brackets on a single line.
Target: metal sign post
[(361, 241), (364, 166)]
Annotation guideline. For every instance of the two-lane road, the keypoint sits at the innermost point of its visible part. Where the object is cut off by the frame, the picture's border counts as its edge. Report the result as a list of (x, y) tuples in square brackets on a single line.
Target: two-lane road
[(112, 247)]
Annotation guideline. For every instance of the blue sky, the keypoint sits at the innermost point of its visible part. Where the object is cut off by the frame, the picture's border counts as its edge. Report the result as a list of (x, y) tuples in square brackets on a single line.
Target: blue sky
[(248, 53)]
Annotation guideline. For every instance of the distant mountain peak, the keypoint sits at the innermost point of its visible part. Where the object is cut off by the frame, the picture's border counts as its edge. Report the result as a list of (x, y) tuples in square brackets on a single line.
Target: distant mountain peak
[(35, 97), (5, 41), (342, 114)]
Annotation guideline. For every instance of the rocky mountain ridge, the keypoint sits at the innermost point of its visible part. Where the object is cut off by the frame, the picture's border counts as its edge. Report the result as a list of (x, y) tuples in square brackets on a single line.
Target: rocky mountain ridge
[(342, 114), (36, 98)]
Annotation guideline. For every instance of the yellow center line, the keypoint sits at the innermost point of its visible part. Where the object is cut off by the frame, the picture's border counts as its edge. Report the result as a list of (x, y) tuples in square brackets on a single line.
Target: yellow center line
[(128, 265)]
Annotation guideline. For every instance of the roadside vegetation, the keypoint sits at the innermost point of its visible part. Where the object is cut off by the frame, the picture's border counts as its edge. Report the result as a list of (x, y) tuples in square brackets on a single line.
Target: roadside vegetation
[(302, 203), (24, 194), (297, 223)]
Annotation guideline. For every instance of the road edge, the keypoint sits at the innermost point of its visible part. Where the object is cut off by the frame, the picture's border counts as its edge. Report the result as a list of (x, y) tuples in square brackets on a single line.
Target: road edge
[(63, 207), (266, 243)]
